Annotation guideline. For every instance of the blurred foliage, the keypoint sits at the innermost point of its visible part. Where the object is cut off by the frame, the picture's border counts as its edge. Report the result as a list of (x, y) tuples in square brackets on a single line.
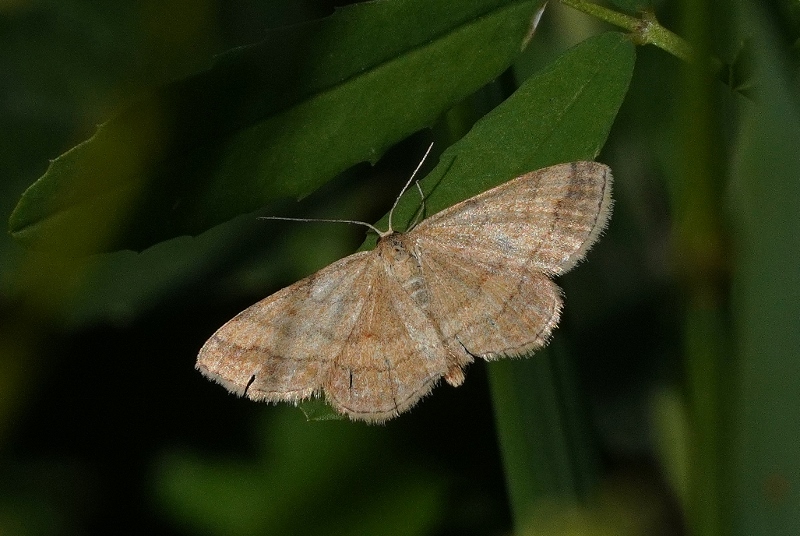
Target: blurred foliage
[(301, 470), (668, 398), (765, 190)]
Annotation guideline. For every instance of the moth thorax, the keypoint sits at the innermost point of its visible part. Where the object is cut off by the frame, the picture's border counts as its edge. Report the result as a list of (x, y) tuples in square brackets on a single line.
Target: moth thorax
[(403, 265)]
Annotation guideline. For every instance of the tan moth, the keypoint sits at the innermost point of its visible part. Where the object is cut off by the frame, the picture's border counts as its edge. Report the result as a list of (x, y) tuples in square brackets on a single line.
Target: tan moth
[(376, 331)]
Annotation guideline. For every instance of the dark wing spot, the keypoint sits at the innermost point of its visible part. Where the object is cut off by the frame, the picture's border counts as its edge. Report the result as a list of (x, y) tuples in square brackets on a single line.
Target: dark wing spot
[(249, 383)]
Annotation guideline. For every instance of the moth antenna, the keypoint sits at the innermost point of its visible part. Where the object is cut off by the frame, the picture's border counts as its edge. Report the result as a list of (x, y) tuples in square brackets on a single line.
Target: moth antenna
[(410, 180), (323, 220), (421, 210)]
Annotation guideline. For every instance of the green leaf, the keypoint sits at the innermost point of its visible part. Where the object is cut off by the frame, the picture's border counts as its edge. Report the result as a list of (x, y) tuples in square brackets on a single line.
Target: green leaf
[(562, 114), (316, 409), (270, 120)]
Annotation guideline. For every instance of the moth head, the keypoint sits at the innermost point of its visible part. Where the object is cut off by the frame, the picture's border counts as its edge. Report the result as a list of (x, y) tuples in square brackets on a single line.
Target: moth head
[(393, 247)]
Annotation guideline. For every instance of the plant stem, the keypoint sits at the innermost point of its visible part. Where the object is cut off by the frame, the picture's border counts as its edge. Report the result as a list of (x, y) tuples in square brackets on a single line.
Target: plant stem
[(644, 30)]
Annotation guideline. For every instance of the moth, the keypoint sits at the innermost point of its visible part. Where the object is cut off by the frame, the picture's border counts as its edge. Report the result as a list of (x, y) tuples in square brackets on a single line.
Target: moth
[(376, 331)]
